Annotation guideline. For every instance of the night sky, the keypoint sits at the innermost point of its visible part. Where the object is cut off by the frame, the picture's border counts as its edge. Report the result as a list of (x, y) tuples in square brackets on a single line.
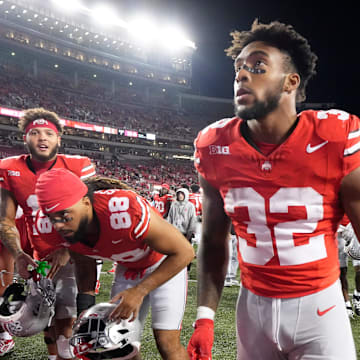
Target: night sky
[(332, 30)]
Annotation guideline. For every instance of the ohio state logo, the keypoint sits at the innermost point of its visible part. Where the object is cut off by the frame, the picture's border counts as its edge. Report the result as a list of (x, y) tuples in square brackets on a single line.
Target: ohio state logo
[(13, 327), (40, 122), (266, 166)]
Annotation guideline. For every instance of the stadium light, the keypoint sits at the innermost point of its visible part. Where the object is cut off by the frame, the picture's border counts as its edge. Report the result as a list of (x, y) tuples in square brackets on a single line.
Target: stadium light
[(144, 29), (173, 39), (105, 15)]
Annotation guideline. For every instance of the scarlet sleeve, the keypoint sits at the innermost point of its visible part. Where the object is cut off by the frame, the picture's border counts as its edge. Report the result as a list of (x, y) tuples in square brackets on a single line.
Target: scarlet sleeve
[(4, 179), (206, 145), (352, 145), (88, 169), (140, 215), (127, 214)]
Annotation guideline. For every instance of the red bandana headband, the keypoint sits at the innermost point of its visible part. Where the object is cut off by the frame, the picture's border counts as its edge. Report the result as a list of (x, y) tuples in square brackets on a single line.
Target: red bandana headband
[(42, 123), (58, 189)]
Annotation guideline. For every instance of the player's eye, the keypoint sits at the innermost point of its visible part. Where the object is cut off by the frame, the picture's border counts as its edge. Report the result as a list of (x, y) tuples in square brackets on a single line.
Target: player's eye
[(258, 63), (256, 68), (61, 219)]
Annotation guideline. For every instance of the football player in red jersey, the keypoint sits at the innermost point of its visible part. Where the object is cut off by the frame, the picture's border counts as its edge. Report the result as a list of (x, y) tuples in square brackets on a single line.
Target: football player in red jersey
[(195, 197), (163, 200), (107, 220), (42, 131), (284, 180)]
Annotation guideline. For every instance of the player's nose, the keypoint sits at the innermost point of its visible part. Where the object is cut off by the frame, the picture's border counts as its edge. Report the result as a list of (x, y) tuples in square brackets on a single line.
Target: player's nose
[(241, 75)]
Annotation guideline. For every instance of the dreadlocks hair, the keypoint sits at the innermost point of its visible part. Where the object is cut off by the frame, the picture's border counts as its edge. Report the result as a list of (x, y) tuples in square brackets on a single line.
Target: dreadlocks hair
[(96, 183), (298, 54), (39, 113)]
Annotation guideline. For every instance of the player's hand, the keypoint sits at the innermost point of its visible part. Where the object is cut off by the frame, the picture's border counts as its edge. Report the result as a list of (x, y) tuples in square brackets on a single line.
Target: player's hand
[(202, 340), (348, 233), (58, 259), (352, 248), (24, 264), (129, 305)]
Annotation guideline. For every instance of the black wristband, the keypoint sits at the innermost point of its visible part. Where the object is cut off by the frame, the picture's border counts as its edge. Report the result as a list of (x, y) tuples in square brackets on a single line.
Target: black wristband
[(84, 302)]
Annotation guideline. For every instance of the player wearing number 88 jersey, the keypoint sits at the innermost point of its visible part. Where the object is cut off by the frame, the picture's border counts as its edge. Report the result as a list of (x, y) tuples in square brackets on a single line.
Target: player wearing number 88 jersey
[(283, 180), (104, 219)]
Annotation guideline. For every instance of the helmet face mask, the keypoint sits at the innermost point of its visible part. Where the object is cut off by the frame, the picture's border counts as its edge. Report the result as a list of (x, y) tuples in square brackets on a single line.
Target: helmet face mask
[(96, 337), (26, 309)]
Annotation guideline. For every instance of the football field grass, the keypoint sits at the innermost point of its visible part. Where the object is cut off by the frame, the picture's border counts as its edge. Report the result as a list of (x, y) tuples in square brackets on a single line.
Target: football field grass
[(224, 348)]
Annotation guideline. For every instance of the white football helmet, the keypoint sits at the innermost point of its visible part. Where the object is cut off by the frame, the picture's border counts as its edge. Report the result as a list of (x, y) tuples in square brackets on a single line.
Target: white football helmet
[(26, 309), (96, 337)]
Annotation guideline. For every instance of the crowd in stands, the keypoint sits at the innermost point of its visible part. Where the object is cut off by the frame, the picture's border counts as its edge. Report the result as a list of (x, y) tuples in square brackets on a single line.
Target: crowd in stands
[(140, 176), (91, 102), (143, 176)]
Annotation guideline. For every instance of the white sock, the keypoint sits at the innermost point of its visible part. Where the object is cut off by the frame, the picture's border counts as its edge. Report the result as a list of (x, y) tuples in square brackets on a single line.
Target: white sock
[(99, 265), (52, 357), (5, 335)]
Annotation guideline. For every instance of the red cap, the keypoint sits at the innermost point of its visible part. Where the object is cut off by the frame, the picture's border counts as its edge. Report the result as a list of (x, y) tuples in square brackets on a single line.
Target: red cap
[(166, 186), (58, 189)]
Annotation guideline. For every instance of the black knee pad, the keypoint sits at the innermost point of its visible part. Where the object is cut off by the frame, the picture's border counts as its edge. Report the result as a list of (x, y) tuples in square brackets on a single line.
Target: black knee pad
[(84, 302)]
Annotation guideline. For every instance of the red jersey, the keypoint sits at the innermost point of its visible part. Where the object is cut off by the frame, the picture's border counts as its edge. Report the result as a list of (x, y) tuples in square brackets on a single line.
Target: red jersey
[(18, 177), (162, 203), (195, 198), (124, 219), (284, 207)]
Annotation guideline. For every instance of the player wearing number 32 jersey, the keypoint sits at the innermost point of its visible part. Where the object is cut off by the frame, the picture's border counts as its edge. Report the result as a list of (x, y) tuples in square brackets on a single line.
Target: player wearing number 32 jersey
[(104, 219), (284, 207), (284, 215), (283, 180)]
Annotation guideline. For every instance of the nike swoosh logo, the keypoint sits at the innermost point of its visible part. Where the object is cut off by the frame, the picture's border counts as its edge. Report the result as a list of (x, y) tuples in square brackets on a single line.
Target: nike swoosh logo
[(47, 210), (321, 313), (310, 149), (117, 241)]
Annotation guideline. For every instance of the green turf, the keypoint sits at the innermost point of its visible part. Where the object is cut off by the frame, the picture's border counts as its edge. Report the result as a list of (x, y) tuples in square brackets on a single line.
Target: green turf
[(224, 346)]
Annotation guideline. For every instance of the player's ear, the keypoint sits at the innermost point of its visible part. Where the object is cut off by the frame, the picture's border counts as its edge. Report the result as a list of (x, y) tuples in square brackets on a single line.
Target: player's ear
[(292, 82), (59, 141), (86, 200)]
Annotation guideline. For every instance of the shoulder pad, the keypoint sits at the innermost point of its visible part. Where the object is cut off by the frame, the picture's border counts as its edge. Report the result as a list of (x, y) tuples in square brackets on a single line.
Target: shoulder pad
[(11, 160), (212, 132), (332, 125)]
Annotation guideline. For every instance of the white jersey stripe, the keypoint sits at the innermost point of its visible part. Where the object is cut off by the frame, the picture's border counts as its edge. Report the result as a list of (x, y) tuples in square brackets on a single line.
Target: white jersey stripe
[(88, 175), (87, 168), (352, 149), (354, 134), (145, 227), (140, 228)]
